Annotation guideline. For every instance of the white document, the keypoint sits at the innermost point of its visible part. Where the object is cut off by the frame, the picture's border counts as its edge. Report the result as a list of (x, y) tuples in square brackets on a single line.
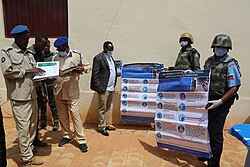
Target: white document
[(51, 70)]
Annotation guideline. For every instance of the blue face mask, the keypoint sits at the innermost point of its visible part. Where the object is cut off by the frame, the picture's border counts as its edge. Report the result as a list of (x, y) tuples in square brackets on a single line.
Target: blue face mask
[(220, 52), (63, 53), (183, 43)]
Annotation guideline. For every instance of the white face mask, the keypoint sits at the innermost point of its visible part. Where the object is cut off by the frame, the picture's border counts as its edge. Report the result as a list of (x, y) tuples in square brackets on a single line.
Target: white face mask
[(63, 53), (220, 52), (109, 53), (183, 43)]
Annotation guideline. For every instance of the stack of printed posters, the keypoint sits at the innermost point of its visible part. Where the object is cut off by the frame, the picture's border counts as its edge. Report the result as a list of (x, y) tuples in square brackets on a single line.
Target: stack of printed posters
[(139, 91), (181, 119)]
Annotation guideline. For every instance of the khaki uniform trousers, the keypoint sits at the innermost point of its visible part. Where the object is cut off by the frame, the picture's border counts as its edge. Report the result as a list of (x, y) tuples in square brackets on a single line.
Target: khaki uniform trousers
[(25, 115), (103, 109), (65, 107)]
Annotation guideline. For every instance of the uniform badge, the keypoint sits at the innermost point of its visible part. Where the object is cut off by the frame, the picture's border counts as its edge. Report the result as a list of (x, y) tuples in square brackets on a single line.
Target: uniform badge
[(3, 59), (230, 77)]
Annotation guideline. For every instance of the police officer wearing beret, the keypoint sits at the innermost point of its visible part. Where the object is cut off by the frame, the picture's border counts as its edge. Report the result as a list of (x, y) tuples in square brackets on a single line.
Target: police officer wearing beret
[(67, 91), (18, 67), (225, 82)]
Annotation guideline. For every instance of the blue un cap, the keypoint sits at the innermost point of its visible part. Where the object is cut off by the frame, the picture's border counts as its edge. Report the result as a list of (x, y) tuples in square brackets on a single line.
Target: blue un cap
[(19, 29), (61, 41)]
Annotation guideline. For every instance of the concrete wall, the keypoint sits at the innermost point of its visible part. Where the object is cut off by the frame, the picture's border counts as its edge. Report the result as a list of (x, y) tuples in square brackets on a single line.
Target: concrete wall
[(148, 31)]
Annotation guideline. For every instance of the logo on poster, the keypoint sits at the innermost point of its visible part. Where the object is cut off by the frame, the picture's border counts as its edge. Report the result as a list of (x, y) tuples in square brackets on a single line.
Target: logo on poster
[(124, 103), (159, 115), (159, 125), (182, 106), (144, 97), (181, 128), (144, 104), (182, 117), (159, 135), (124, 95), (182, 96), (160, 105), (145, 89), (160, 95)]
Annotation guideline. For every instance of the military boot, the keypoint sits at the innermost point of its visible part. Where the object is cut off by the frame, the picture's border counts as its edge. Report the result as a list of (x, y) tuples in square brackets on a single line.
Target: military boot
[(55, 125), (42, 125)]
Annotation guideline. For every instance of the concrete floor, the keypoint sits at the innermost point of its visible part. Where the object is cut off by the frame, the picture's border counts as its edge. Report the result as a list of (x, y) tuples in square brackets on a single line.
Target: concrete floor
[(130, 146)]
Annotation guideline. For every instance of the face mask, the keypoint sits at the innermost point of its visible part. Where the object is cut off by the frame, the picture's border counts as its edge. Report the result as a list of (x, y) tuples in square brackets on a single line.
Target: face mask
[(220, 52), (63, 53), (109, 53), (183, 43)]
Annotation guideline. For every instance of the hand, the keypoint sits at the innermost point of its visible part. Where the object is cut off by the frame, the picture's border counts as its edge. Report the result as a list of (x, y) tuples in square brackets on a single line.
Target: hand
[(101, 91), (187, 71), (35, 70), (79, 69), (214, 104)]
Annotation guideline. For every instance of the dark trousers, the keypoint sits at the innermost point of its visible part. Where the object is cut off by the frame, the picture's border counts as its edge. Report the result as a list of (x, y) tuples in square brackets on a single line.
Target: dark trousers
[(3, 162), (216, 121), (52, 102)]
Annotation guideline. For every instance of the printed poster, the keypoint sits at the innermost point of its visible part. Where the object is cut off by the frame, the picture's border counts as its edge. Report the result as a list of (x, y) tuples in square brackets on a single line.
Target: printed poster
[(139, 91), (181, 119)]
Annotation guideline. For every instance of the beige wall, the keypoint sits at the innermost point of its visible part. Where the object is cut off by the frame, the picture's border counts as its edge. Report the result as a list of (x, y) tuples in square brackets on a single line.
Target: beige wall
[(148, 31)]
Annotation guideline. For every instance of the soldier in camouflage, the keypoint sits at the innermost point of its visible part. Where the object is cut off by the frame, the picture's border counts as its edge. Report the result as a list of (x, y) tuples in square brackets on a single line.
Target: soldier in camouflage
[(188, 57), (225, 82), (49, 90)]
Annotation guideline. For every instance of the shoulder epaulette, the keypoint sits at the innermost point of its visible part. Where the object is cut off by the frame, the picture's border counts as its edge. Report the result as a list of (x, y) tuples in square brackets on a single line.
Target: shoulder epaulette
[(76, 51)]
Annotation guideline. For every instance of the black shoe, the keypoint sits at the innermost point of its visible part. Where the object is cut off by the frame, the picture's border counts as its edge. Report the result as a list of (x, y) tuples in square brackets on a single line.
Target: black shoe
[(55, 126), (64, 141), (110, 128), (104, 132), (42, 125), (84, 147), (34, 151), (202, 159), (39, 143)]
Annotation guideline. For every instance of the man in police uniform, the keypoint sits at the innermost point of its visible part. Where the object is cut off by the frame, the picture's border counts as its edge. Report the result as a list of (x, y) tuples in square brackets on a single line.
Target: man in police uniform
[(18, 67), (225, 82), (67, 91), (188, 58)]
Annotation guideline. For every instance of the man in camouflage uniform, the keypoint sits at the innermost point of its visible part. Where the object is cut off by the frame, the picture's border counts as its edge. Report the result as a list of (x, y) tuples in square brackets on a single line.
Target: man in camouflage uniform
[(188, 58), (225, 82), (49, 90), (67, 91), (18, 67), (37, 50)]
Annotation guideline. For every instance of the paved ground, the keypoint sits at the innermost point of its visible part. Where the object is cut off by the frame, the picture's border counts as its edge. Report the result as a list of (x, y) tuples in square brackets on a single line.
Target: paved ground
[(126, 147)]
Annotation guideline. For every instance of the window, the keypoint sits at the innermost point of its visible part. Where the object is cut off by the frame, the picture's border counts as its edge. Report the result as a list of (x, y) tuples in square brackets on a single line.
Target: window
[(48, 17)]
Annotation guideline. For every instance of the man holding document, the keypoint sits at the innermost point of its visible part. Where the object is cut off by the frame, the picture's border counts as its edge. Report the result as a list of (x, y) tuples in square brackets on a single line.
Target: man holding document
[(19, 67), (67, 91)]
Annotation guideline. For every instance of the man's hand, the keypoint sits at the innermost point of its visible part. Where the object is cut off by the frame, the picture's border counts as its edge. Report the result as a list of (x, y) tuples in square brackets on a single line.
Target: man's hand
[(214, 104), (35, 70), (101, 91), (79, 69)]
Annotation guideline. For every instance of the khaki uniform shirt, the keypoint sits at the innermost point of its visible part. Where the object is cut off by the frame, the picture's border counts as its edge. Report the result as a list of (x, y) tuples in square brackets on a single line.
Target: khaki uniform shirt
[(14, 63), (67, 88)]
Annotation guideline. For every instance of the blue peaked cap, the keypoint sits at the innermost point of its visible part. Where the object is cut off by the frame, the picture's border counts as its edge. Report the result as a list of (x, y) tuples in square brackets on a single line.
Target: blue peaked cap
[(61, 41), (19, 29)]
